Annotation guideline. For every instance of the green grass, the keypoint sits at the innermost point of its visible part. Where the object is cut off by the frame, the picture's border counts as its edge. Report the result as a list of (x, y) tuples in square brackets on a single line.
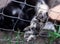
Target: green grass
[(54, 35)]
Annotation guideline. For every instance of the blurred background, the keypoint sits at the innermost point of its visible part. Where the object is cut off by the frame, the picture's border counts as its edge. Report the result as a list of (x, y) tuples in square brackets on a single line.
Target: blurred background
[(6, 37)]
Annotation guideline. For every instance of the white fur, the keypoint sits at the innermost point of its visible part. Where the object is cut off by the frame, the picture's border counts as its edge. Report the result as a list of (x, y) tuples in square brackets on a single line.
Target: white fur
[(33, 24), (42, 7), (49, 26), (30, 37)]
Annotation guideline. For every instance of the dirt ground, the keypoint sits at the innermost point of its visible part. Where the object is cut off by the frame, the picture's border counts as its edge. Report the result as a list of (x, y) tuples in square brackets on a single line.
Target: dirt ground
[(3, 36), (39, 40)]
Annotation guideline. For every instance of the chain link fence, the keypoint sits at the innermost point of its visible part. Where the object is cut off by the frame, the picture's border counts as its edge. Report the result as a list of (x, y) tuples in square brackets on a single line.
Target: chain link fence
[(10, 36)]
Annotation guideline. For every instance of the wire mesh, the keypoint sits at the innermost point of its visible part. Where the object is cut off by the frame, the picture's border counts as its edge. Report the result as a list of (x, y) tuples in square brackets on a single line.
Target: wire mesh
[(16, 37)]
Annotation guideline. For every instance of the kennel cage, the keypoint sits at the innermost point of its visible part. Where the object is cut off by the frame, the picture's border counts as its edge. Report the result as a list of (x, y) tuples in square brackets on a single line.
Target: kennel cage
[(11, 36)]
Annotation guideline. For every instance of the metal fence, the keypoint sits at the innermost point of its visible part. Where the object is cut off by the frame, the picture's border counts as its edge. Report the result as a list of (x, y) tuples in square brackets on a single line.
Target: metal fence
[(16, 37)]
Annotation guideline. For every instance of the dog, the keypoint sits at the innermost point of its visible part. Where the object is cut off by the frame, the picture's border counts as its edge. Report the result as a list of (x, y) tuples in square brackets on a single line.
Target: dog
[(38, 20)]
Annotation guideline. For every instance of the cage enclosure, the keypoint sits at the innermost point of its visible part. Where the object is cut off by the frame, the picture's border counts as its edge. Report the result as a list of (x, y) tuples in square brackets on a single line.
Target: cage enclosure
[(16, 15)]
